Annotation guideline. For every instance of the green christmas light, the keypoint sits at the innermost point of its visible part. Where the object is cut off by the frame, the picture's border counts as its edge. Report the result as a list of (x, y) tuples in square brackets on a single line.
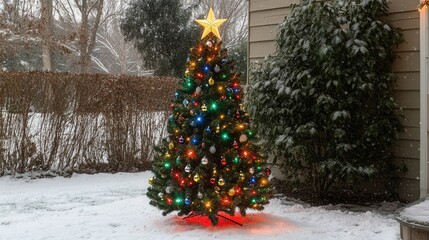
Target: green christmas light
[(213, 107), (225, 136), (167, 165), (178, 200), (253, 200), (236, 160)]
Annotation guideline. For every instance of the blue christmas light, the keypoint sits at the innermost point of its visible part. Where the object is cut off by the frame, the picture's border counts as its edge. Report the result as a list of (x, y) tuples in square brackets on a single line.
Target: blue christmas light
[(206, 68), (195, 141), (208, 130), (187, 201), (252, 180)]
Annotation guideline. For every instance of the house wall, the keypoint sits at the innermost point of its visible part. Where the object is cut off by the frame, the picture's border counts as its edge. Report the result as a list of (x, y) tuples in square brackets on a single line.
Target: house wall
[(264, 17)]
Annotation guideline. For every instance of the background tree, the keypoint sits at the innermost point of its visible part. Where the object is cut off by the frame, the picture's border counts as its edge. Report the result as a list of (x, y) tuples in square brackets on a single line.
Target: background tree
[(155, 30), (47, 28), (19, 35), (328, 95)]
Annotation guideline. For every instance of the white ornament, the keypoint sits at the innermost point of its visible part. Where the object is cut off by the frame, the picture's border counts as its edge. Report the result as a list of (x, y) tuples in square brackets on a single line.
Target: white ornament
[(160, 195), (198, 90), (251, 170), (217, 69), (204, 160), (168, 189), (243, 138), (209, 44), (212, 149), (188, 168), (200, 195)]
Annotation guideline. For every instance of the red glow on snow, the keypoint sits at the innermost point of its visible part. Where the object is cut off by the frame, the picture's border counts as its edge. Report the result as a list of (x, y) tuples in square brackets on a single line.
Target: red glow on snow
[(253, 224)]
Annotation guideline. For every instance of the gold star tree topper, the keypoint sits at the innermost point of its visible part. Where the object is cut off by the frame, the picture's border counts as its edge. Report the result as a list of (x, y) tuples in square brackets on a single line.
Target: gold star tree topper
[(211, 24)]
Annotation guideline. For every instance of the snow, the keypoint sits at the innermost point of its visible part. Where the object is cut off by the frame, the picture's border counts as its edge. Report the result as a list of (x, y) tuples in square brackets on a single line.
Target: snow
[(417, 213), (114, 206)]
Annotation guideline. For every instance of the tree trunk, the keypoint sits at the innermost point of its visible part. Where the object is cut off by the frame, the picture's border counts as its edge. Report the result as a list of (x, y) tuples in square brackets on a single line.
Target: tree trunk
[(46, 8), (87, 36)]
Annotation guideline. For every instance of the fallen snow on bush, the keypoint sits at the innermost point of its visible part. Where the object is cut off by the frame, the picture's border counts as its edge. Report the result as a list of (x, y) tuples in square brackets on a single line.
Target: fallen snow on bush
[(417, 213), (114, 206)]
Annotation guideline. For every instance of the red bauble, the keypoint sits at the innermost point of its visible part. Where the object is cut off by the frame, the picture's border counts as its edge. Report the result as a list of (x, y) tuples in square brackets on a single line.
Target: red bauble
[(223, 161), (212, 180)]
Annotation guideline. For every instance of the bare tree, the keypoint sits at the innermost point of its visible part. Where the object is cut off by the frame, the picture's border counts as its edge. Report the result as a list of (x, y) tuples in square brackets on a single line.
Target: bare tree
[(47, 27), (87, 33), (114, 54)]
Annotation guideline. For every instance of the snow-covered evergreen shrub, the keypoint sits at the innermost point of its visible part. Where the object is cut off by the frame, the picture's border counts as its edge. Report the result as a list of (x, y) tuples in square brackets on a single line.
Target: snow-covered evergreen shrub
[(323, 102)]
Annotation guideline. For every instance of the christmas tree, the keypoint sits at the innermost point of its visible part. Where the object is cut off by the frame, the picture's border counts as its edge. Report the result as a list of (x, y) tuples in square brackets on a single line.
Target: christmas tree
[(207, 164)]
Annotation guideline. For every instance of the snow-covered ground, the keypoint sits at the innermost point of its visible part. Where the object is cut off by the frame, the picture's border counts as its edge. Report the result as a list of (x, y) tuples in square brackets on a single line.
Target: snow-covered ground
[(106, 206)]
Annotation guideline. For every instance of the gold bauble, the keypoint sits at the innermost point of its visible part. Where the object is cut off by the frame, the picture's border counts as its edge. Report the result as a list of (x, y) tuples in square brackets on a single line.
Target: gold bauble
[(204, 108), (231, 192), (242, 177), (221, 182), (167, 155), (171, 146), (150, 181), (197, 178), (211, 81)]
